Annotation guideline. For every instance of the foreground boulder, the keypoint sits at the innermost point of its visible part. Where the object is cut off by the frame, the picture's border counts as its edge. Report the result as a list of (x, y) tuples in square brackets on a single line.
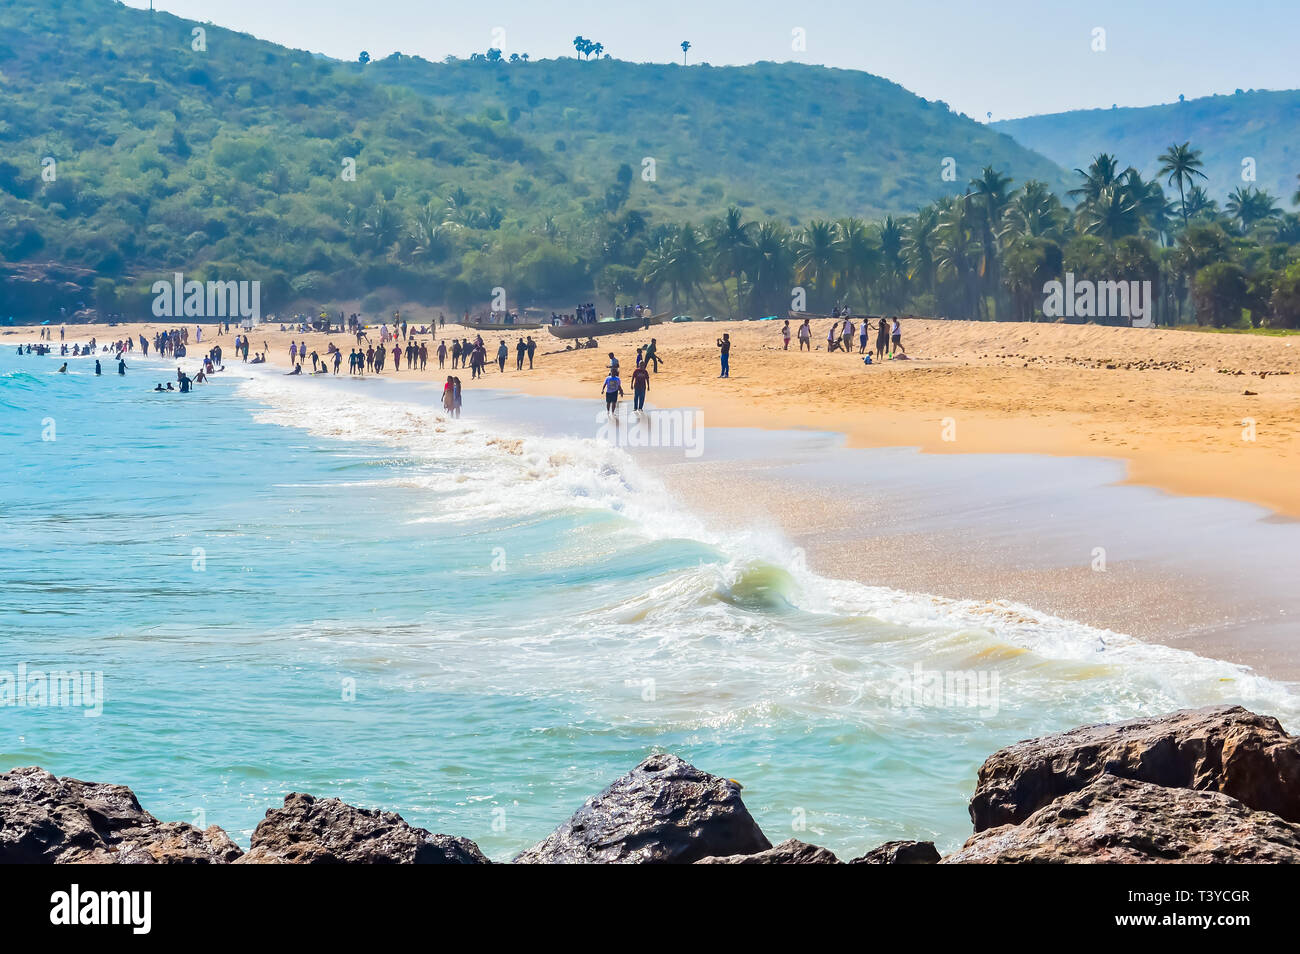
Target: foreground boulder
[(44, 820), (1119, 820), (900, 853), (790, 852), (1218, 749), (310, 830), (664, 811)]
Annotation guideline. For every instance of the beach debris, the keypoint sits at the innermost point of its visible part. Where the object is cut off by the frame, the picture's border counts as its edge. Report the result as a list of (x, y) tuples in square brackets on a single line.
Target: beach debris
[(663, 811), (1118, 820), (900, 853), (1219, 748), (789, 852), (310, 830)]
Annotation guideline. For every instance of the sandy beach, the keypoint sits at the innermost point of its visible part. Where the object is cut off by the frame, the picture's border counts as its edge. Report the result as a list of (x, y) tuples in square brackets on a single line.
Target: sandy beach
[(1176, 406)]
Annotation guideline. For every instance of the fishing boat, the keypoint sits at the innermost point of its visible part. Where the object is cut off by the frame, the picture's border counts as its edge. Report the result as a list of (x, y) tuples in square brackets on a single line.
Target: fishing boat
[(608, 326), (525, 322)]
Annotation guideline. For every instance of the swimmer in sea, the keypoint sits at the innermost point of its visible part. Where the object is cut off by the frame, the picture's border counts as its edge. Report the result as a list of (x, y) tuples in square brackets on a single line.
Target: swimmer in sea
[(64, 369), (98, 369), (121, 366)]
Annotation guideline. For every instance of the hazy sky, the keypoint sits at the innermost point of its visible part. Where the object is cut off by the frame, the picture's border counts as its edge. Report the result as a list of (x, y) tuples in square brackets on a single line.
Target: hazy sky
[(1008, 57)]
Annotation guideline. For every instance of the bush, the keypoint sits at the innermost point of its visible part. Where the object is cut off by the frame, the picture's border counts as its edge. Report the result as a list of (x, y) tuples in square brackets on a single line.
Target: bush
[(1220, 293)]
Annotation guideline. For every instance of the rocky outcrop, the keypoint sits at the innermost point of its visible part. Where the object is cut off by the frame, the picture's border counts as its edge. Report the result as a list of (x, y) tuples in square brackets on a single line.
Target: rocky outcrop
[(1119, 820), (1218, 749), (789, 852), (310, 830), (44, 819), (663, 811), (900, 853)]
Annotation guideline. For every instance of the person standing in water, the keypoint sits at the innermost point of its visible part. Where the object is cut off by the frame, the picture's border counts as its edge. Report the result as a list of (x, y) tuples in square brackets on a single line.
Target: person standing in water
[(121, 366), (98, 369), (613, 389)]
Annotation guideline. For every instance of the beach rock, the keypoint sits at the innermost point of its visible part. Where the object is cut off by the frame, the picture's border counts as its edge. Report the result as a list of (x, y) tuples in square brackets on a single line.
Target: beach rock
[(900, 853), (310, 830), (49, 820), (1219, 749), (664, 811), (790, 852), (1119, 820)]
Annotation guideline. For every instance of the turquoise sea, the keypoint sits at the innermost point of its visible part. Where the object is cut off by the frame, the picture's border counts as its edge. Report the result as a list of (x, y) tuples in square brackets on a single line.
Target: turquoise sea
[(293, 585)]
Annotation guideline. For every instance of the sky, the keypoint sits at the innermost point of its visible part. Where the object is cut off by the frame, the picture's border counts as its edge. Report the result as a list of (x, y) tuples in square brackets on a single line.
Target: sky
[(1007, 58)]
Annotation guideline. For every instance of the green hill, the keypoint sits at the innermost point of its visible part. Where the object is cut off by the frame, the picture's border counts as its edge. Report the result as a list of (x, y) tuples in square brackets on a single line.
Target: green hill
[(231, 159), (1263, 125), (133, 146), (781, 140)]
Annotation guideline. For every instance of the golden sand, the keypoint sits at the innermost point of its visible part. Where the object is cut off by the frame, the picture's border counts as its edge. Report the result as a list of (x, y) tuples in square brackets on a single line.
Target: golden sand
[(1173, 404)]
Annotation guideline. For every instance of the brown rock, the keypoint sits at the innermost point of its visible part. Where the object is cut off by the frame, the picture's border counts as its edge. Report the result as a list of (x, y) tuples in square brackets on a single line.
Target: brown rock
[(310, 830), (1220, 748), (900, 853), (44, 819), (790, 852), (664, 811), (1118, 820)]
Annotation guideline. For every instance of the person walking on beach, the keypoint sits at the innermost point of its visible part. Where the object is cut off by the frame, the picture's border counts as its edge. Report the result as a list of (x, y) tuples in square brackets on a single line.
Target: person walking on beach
[(640, 384), (613, 389), (882, 339), (532, 346), (502, 353), (785, 335), (724, 352), (805, 336), (896, 339), (651, 357), (847, 336), (455, 353), (397, 355), (862, 336), (521, 349), (442, 353)]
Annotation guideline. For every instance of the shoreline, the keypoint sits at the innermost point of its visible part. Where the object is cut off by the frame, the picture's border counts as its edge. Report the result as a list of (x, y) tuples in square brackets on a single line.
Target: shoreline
[(1172, 406), (1161, 597)]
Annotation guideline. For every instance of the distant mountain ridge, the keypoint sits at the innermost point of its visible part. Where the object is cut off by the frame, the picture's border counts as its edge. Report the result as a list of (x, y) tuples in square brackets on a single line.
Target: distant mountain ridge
[(1261, 125), (783, 140)]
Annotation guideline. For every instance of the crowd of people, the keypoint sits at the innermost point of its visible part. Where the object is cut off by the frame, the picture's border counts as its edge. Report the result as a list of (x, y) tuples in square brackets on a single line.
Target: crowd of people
[(840, 336)]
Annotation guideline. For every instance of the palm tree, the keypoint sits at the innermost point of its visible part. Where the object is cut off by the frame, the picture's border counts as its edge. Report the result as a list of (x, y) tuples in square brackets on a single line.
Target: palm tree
[(686, 45), (770, 268), (990, 192), (892, 279), (1152, 204), (1199, 203), (815, 258), (1033, 212), (1111, 214), (731, 239), (1249, 206), (1102, 172), (920, 246), (1181, 164), (858, 255)]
